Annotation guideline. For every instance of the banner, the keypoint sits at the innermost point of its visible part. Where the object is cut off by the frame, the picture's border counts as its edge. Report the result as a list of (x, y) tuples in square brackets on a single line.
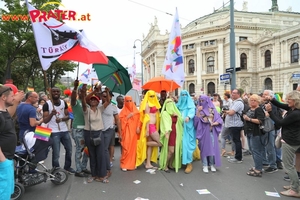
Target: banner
[(173, 67)]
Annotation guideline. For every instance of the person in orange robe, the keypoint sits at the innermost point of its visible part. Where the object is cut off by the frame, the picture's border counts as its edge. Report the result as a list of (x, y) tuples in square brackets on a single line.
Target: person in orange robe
[(130, 119)]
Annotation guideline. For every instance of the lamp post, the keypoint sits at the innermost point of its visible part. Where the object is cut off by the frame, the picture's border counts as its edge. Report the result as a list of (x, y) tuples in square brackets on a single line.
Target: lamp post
[(141, 41)]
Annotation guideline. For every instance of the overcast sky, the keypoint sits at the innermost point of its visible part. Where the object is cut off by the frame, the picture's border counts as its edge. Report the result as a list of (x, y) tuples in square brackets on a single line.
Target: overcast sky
[(116, 24)]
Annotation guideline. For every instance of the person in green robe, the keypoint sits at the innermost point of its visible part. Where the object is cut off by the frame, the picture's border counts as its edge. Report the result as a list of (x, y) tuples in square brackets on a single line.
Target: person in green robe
[(171, 130)]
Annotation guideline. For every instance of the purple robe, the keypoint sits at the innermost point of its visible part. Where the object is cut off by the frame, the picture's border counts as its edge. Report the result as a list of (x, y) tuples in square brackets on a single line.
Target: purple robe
[(202, 126)]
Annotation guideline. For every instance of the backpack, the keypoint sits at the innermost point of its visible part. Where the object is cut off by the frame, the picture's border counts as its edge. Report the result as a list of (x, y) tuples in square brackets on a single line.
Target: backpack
[(246, 108)]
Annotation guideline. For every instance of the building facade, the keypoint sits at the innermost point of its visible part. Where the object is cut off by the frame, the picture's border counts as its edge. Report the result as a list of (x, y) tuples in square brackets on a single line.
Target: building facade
[(266, 45)]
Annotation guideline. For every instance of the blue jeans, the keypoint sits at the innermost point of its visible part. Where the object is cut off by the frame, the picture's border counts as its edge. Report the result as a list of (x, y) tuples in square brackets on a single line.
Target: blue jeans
[(210, 159), (107, 138), (270, 149), (257, 146), (65, 139), (81, 158)]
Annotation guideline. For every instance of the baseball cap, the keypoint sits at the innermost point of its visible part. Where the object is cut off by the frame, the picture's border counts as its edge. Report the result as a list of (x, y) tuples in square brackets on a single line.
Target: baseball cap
[(95, 97), (12, 86)]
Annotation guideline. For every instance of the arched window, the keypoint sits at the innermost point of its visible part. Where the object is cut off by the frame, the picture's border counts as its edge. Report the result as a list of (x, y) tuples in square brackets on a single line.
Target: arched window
[(210, 64), (243, 60), (268, 58), (191, 66), (192, 88), (294, 53), (211, 88), (268, 84)]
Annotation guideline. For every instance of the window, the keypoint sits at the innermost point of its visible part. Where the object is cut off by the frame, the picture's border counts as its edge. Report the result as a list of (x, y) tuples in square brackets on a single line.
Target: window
[(210, 64), (206, 43), (190, 46), (294, 53), (243, 38), (243, 60), (211, 88), (191, 66), (192, 88), (268, 58), (212, 42), (268, 84)]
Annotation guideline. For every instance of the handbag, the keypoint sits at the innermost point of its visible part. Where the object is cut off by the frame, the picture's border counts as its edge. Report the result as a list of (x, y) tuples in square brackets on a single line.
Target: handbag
[(268, 126), (97, 140)]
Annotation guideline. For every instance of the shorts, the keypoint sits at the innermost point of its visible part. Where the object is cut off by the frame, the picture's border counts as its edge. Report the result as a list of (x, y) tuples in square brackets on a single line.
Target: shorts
[(152, 128), (7, 180)]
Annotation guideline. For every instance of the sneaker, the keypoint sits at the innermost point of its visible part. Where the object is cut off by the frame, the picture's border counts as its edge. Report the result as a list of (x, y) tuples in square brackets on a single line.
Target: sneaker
[(287, 178), (213, 169), (234, 160), (266, 165), (70, 170), (86, 171), (279, 165), (111, 164), (80, 174), (271, 170), (205, 169), (124, 170)]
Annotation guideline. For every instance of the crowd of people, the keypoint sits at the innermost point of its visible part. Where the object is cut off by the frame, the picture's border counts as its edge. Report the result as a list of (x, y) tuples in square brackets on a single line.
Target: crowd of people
[(163, 133)]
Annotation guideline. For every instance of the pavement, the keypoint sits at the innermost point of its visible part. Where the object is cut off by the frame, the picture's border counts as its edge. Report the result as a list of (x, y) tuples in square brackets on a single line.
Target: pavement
[(230, 182)]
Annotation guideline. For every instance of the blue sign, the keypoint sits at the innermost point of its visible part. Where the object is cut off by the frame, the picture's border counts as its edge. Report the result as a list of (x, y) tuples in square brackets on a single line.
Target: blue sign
[(224, 77), (296, 76)]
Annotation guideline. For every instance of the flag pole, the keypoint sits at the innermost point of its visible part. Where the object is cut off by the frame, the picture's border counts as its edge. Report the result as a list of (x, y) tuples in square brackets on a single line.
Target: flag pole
[(77, 71)]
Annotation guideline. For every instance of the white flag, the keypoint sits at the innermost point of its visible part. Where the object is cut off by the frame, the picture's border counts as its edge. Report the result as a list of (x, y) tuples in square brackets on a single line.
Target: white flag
[(52, 37), (173, 65)]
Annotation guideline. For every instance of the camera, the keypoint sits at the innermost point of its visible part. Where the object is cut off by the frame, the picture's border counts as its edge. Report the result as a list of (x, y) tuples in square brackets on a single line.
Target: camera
[(224, 108)]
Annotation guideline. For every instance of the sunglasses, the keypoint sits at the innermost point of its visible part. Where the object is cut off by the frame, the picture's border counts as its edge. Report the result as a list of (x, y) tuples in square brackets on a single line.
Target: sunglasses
[(5, 91)]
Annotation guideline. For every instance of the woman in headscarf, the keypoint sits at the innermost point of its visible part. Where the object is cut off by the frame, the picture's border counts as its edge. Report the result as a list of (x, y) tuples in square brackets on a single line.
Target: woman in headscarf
[(130, 118), (208, 124), (149, 137), (187, 107), (170, 136)]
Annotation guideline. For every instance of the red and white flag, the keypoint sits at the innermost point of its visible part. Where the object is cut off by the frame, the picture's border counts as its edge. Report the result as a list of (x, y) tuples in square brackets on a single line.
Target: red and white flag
[(53, 38)]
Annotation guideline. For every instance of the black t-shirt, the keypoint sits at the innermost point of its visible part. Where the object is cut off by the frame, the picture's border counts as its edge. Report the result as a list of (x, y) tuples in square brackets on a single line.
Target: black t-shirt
[(8, 137)]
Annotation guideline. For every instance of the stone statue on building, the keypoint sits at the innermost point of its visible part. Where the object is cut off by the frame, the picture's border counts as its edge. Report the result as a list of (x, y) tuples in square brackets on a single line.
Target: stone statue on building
[(289, 9), (155, 20), (245, 6), (274, 7)]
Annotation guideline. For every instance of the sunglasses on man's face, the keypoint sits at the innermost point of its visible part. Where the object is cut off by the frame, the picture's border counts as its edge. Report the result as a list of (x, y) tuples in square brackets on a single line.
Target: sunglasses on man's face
[(5, 91)]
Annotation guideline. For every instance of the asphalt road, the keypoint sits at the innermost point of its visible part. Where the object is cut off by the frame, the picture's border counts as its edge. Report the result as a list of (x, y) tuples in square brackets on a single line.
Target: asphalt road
[(230, 182)]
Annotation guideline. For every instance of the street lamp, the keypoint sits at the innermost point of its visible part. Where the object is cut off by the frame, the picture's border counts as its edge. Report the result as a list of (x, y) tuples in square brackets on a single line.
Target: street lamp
[(141, 56)]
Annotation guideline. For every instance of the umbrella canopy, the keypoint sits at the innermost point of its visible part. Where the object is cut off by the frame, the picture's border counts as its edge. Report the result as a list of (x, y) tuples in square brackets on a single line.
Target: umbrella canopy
[(160, 83), (114, 76), (83, 55)]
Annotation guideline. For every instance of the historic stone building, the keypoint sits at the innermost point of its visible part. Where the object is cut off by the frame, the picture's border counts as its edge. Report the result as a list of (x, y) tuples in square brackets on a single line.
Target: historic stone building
[(267, 50)]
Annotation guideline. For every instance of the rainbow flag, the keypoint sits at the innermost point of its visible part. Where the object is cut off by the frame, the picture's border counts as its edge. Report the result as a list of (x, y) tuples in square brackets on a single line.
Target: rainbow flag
[(42, 133), (278, 98), (116, 78)]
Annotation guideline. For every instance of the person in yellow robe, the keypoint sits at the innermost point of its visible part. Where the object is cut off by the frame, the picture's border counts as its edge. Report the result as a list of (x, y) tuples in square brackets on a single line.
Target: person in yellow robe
[(130, 118), (149, 141)]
